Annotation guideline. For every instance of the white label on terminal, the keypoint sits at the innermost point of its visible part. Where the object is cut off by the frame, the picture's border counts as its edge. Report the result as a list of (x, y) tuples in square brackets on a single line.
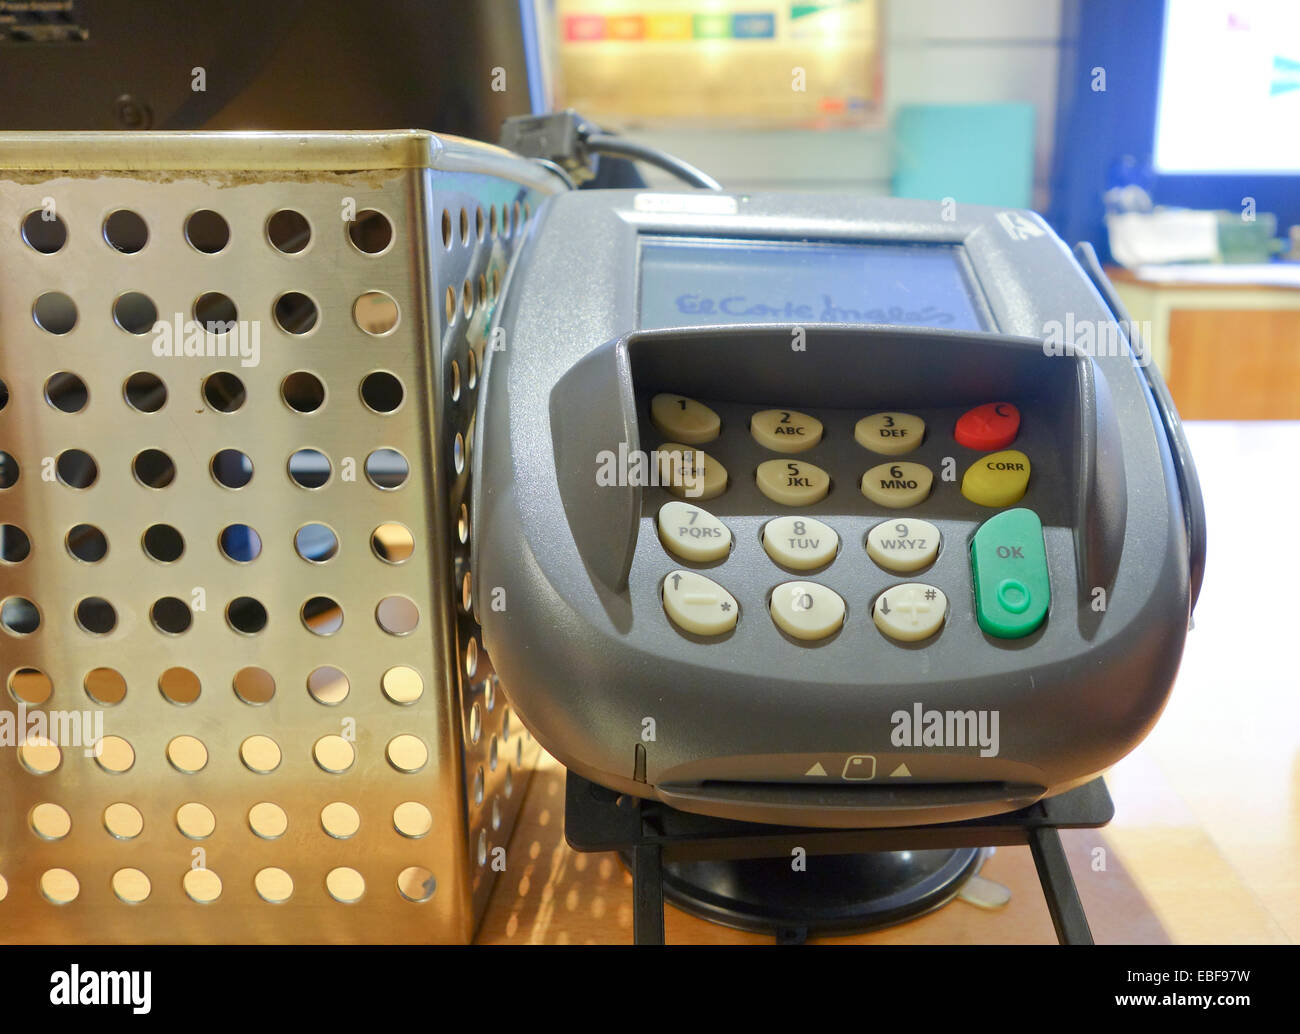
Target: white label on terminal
[(694, 204)]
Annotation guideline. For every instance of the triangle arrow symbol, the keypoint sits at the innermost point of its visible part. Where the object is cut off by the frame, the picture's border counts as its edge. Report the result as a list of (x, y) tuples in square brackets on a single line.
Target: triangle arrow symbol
[(901, 770), (816, 770)]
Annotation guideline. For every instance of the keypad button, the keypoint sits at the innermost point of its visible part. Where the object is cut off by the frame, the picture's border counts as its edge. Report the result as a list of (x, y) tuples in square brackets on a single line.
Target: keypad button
[(784, 430), (800, 543), (903, 545), (897, 485), (692, 533), (890, 434), (683, 419), (1009, 567), (910, 612), (993, 425), (806, 610), (690, 473), (699, 605), (998, 479), (793, 482)]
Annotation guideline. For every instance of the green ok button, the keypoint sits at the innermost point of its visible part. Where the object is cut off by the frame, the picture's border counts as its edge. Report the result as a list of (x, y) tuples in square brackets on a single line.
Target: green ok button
[(1009, 565)]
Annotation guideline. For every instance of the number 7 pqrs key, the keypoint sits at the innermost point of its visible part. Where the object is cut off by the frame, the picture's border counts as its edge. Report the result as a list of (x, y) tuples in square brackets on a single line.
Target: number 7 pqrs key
[(692, 533)]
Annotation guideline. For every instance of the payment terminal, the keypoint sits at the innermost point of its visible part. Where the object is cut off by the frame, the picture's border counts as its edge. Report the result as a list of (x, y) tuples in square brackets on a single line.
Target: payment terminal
[(828, 511)]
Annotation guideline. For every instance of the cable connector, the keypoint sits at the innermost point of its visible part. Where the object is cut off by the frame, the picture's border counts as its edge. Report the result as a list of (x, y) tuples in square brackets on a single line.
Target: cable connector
[(566, 139), (559, 137)]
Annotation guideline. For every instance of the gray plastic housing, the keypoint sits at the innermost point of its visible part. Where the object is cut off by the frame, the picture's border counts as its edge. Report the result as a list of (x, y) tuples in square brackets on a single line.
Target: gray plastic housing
[(567, 573)]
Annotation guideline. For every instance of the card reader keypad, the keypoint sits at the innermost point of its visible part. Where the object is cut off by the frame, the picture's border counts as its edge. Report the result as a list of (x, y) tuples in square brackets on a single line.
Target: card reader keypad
[(1005, 573)]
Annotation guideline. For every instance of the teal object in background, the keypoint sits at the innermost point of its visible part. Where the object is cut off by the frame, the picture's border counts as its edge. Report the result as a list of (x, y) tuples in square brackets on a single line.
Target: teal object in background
[(977, 154)]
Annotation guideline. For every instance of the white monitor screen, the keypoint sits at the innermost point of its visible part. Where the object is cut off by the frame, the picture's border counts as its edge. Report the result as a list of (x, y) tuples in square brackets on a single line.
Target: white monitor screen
[(1229, 87)]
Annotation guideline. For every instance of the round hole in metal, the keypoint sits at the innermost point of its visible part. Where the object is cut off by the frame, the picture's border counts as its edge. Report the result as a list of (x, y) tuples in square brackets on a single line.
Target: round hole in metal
[(114, 754), (376, 313), (86, 543), (66, 392), (402, 685), (303, 392), (30, 686), (240, 543), (231, 468), (392, 542), (54, 312), (309, 468), (412, 819), (131, 886), (322, 615), (96, 615), (334, 753), (295, 313), (288, 231), (105, 686), (202, 885), (382, 392), (15, 546), (246, 615), (387, 469), (126, 231), (370, 232), (145, 392), (76, 468), (135, 312), (328, 685), (123, 821), (196, 820), (254, 685), (153, 468), (207, 231), (44, 231), (316, 543), (19, 615), (179, 686), (224, 392), (416, 883), (397, 615), (163, 543), (268, 820), (340, 820), (273, 885), (345, 885), (171, 615), (260, 754)]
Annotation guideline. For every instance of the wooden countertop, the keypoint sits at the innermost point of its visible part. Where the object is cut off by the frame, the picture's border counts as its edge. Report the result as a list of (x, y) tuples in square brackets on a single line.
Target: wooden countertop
[(1205, 845)]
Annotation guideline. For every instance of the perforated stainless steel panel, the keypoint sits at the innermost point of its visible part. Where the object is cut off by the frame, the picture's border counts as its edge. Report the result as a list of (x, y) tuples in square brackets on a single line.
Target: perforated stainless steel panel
[(259, 721)]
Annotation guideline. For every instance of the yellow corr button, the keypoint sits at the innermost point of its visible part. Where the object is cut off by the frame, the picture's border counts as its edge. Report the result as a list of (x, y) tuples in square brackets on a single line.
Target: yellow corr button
[(784, 430), (683, 419), (998, 479), (806, 610), (699, 605), (890, 434), (692, 533), (800, 543), (690, 473), (897, 485), (793, 482)]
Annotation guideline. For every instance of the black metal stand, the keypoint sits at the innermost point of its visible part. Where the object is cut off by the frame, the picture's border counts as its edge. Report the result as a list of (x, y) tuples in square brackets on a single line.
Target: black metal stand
[(654, 838)]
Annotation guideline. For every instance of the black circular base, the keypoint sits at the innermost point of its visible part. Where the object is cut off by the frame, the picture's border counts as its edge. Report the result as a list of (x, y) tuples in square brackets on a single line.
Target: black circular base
[(835, 894)]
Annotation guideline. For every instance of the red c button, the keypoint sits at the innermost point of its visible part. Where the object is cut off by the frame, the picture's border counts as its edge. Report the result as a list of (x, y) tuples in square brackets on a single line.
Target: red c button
[(991, 426)]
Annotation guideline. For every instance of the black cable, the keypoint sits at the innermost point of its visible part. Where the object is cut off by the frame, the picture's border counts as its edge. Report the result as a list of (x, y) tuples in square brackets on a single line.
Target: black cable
[(602, 143)]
